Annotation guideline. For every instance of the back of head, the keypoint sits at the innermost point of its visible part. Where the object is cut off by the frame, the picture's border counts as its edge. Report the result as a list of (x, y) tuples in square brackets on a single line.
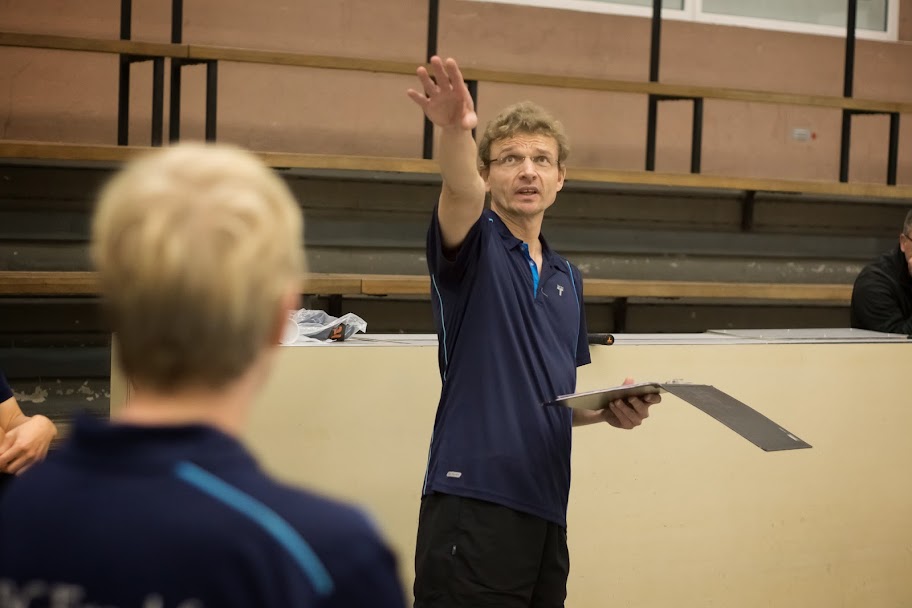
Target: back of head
[(195, 246), (907, 225), (523, 117)]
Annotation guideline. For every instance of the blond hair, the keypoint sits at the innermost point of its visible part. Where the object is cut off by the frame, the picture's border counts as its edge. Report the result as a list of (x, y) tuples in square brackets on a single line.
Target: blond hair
[(195, 246), (523, 117)]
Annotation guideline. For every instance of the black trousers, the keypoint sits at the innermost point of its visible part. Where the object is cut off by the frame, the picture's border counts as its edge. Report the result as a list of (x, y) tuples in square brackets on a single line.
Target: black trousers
[(472, 553)]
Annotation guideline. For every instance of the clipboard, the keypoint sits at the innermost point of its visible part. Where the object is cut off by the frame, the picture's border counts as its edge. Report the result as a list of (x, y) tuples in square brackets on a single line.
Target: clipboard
[(737, 416)]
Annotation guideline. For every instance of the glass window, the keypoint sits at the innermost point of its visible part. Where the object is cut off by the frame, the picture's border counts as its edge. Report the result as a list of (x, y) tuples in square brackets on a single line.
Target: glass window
[(672, 4), (871, 15), (875, 19)]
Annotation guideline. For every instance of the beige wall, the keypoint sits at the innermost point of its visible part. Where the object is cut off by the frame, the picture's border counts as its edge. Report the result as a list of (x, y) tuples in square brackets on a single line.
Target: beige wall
[(62, 97), (681, 512)]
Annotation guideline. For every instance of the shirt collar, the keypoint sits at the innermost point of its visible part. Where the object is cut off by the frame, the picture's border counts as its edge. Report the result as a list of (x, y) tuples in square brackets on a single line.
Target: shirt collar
[(510, 241)]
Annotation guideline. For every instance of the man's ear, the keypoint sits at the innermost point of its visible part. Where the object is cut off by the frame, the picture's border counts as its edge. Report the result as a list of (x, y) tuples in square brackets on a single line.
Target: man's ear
[(561, 175)]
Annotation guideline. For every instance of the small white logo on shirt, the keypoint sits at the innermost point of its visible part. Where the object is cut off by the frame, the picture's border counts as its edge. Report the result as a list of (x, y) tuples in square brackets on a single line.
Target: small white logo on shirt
[(454, 474), (560, 290)]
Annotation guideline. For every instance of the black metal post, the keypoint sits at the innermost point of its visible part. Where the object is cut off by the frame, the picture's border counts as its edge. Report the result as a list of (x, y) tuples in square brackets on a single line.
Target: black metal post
[(126, 19), (651, 120), (433, 19), (123, 102), (174, 110), (158, 99), (893, 149), (696, 139), (848, 85), (211, 98), (123, 80), (655, 47), (177, 35), (177, 21), (845, 143), (472, 85)]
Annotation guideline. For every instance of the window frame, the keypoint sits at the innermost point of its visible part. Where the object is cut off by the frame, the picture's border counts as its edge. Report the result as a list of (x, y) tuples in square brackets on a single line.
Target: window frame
[(693, 11)]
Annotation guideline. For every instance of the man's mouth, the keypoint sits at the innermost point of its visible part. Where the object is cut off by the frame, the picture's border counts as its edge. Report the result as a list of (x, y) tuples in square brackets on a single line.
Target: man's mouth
[(527, 191)]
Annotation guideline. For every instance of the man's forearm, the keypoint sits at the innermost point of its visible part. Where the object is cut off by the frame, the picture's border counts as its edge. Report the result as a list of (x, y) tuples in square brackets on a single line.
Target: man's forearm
[(456, 156)]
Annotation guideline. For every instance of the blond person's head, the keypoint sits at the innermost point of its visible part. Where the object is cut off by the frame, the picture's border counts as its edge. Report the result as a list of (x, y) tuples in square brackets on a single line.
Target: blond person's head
[(197, 248)]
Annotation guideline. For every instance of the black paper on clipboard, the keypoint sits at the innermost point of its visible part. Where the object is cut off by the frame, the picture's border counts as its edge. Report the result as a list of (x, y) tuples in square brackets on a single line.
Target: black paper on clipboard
[(739, 417)]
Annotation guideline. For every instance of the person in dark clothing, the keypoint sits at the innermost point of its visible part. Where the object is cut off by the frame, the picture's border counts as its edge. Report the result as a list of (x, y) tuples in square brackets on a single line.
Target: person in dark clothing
[(511, 329), (199, 257), (882, 295)]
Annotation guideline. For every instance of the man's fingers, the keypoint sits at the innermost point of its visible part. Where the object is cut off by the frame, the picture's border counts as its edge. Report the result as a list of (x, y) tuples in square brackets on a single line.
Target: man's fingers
[(418, 98), (622, 413), (16, 466), (454, 75), (440, 74), (639, 406), (429, 87), (8, 456)]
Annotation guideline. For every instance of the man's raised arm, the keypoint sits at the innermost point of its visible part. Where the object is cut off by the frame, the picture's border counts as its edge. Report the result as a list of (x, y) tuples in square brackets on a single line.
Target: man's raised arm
[(447, 103)]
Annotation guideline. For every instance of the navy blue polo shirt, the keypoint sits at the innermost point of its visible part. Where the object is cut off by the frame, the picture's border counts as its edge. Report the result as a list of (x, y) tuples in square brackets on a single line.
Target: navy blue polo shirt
[(510, 339), (181, 517)]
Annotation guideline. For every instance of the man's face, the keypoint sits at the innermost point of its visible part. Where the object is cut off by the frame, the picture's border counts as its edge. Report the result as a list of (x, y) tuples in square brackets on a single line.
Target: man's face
[(905, 243), (523, 176)]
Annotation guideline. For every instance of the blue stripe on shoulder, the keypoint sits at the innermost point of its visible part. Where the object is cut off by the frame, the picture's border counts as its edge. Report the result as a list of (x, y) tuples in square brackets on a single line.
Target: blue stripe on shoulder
[(273, 523)]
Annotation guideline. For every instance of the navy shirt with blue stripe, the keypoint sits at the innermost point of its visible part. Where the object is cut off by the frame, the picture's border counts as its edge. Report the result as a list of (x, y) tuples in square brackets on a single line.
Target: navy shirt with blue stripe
[(510, 338), (182, 517)]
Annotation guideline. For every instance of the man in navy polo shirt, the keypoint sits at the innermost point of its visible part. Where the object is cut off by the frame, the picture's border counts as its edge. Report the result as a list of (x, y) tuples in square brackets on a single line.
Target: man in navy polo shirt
[(512, 331), (199, 257)]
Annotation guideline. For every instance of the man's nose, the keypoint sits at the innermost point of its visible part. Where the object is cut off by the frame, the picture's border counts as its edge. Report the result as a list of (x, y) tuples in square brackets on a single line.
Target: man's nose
[(527, 167)]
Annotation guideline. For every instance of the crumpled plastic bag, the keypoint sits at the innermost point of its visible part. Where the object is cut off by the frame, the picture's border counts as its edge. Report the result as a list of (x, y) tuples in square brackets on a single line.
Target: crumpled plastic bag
[(317, 326)]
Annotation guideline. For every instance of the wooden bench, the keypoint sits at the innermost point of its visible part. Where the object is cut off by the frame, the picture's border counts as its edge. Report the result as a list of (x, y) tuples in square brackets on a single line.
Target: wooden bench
[(214, 54), (243, 55), (88, 154), (79, 283)]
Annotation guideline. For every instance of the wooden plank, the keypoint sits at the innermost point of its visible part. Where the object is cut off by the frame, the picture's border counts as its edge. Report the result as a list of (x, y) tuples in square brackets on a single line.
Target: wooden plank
[(412, 285), (27, 150), (388, 164), (68, 283), (93, 45), (701, 180), (109, 153), (78, 152), (331, 284), (395, 285), (85, 283), (241, 55), (835, 293)]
